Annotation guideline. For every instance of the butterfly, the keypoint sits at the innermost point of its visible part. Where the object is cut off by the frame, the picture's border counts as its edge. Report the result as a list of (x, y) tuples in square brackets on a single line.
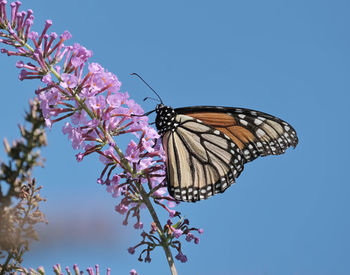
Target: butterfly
[(207, 147)]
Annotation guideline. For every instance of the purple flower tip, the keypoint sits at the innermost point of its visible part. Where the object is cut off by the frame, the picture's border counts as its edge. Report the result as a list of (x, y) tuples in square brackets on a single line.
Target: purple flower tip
[(23, 74), (181, 257), (196, 240), (33, 35), (29, 22), (138, 225), (79, 157), (69, 81), (47, 79), (189, 237), (148, 259), (48, 22), (177, 233), (121, 208), (200, 231), (133, 272), (172, 213), (131, 250), (19, 64), (53, 35), (66, 35), (57, 267)]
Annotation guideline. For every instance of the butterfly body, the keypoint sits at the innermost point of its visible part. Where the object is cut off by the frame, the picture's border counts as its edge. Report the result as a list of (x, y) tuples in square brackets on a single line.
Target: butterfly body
[(207, 146), (165, 119)]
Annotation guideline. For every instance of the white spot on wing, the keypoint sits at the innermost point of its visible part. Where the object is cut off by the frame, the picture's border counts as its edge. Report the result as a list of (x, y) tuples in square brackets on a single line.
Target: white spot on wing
[(257, 121), (242, 121)]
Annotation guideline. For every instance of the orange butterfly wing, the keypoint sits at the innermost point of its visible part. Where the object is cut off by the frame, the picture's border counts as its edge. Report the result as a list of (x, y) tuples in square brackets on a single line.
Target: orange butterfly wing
[(255, 133)]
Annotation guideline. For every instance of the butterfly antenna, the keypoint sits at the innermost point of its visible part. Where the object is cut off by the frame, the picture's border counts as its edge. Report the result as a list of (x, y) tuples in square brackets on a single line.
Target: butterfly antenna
[(152, 98), (161, 101)]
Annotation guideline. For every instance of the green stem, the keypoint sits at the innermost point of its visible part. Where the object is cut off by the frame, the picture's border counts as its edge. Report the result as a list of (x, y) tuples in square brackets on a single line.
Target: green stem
[(155, 218)]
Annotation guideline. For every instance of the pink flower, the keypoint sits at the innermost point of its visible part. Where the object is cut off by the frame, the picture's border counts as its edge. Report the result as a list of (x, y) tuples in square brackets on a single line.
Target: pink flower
[(109, 156), (177, 232), (131, 250), (79, 117), (132, 152), (81, 55), (117, 99), (181, 257), (97, 103), (121, 208), (189, 237), (133, 272), (145, 163), (138, 225), (69, 81), (74, 134)]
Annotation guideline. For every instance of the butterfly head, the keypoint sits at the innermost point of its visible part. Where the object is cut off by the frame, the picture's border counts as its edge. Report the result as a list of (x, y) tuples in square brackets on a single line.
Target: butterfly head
[(165, 119)]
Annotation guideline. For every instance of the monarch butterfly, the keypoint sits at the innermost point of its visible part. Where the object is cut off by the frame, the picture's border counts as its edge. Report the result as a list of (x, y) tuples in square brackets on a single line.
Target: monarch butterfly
[(207, 146)]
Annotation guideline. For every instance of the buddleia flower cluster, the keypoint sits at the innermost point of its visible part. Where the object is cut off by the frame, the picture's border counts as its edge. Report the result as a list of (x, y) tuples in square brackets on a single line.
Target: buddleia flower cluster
[(95, 112)]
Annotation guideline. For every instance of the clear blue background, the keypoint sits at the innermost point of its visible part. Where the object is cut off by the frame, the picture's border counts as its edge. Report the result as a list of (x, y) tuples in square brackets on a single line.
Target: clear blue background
[(287, 214)]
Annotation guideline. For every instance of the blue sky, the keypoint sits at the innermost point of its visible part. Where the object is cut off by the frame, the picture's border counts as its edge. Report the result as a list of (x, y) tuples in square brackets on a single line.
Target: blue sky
[(287, 214)]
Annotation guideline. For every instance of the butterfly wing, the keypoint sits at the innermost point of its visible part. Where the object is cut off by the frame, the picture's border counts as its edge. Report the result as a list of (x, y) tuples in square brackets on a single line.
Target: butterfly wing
[(255, 133), (201, 160)]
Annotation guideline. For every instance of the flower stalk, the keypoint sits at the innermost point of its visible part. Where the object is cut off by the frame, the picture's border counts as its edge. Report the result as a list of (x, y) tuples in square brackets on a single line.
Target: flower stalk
[(164, 241)]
